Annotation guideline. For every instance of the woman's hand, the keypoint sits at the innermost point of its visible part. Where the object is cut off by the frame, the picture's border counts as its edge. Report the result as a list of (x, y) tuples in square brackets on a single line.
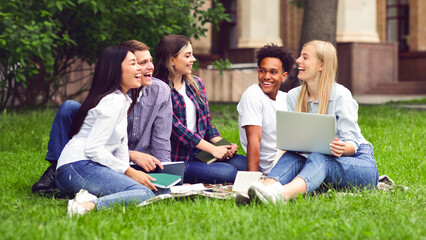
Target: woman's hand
[(339, 148), (220, 152), (141, 178), (145, 161), (232, 150)]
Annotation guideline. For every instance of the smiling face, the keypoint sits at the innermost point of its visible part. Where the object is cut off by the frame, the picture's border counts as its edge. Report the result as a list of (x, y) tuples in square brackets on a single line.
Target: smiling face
[(144, 59), (131, 73), (183, 62), (308, 64), (271, 75)]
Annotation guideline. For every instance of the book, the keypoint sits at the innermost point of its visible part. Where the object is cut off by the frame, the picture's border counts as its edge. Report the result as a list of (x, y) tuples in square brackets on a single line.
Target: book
[(193, 191), (165, 180), (187, 188), (207, 157), (244, 179), (175, 168)]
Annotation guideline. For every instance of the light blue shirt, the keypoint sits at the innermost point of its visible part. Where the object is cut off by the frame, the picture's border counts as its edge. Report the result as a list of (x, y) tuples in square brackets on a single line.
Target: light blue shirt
[(342, 106)]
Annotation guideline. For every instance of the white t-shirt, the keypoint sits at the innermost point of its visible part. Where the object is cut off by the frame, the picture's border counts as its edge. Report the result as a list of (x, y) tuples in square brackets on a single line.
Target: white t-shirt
[(256, 108), (191, 111)]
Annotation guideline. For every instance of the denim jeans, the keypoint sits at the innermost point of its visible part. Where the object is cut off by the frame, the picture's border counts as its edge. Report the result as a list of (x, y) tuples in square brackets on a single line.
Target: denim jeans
[(110, 186), (195, 171), (346, 171), (59, 131), (216, 172)]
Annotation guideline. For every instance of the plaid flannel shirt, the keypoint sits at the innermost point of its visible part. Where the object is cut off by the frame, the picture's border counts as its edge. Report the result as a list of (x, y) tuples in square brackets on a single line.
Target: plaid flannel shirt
[(183, 140)]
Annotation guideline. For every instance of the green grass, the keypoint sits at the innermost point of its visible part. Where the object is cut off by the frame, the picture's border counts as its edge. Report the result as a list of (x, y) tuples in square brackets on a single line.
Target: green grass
[(413, 101), (399, 137)]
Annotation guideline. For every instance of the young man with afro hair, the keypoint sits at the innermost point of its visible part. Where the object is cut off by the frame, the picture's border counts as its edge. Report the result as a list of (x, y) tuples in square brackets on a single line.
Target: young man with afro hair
[(258, 105)]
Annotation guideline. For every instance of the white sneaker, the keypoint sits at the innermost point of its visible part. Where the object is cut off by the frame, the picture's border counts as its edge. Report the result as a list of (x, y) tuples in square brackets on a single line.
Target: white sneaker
[(242, 199), (271, 193), (84, 196), (73, 205)]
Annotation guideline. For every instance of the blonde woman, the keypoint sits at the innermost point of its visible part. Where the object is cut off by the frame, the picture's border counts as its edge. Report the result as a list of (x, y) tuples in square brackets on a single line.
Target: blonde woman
[(352, 162)]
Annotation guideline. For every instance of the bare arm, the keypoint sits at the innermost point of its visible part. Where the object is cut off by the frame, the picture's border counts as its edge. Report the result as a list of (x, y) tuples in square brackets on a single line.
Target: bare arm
[(254, 136), (218, 152), (141, 177), (232, 149)]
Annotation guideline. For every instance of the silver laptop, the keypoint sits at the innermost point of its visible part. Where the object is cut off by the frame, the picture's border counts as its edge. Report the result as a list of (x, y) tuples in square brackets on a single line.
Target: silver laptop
[(305, 132)]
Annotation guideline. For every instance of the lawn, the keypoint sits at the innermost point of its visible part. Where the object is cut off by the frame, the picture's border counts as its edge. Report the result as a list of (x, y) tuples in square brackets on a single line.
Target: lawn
[(398, 136)]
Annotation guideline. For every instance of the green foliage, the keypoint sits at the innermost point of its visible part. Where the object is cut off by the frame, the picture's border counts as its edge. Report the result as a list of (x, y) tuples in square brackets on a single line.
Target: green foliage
[(221, 64), (297, 3), (398, 136), (40, 39)]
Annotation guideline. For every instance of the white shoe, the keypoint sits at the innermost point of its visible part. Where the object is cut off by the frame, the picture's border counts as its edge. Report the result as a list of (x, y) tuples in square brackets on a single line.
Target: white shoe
[(242, 199), (84, 196), (271, 193), (73, 205)]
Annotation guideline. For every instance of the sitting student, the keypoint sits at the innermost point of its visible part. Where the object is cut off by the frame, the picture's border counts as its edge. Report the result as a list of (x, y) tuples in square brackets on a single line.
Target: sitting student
[(96, 158), (352, 162), (192, 128), (149, 124), (258, 105)]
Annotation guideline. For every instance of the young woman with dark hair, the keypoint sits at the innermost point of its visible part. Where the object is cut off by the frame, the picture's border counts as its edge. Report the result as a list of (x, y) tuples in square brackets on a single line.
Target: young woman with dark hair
[(192, 128), (95, 162)]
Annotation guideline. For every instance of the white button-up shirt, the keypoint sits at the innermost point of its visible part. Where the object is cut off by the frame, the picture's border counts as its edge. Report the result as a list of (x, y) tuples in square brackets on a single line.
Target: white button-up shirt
[(103, 136)]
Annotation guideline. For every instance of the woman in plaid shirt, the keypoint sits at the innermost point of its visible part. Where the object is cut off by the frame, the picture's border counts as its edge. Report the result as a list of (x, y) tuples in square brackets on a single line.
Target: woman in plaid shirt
[(192, 128)]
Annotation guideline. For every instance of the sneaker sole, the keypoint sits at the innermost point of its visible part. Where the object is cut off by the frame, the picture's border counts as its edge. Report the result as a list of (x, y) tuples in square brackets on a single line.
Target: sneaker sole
[(257, 196), (242, 200)]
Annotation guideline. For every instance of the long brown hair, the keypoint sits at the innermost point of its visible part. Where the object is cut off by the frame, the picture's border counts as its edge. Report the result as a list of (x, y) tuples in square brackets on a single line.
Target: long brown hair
[(327, 54), (170, 46)]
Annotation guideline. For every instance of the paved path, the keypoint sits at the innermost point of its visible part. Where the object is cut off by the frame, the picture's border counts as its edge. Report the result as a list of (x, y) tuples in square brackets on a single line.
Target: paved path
[(380, 99)]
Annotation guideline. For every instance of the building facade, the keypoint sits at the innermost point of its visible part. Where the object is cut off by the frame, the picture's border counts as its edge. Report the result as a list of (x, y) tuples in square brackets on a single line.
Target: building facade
[(381, 43)]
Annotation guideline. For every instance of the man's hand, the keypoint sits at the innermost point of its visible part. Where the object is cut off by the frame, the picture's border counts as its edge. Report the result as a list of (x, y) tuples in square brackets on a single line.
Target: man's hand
[(141, 178), (145, 161)]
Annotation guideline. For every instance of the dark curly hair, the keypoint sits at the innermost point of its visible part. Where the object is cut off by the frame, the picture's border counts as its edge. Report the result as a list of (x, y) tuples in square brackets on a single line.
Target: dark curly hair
[(275, 51)]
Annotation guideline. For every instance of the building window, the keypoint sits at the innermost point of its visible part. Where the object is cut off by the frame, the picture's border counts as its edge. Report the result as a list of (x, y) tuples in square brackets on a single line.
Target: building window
[(227, 38), (397, 22)]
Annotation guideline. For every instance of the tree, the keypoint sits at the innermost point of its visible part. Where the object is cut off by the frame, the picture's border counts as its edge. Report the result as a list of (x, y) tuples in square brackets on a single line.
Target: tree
[(41, 39), (319, 22)]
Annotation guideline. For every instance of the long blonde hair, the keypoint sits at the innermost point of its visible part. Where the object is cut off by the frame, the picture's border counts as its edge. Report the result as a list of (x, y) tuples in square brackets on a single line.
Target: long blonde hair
[(170, 46), (327, 54)]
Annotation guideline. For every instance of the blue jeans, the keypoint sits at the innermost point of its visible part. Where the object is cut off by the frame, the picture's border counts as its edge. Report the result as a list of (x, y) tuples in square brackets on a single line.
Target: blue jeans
[(346, 171), (195, 171), (216, 172), (110, 186), (60, 127)]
